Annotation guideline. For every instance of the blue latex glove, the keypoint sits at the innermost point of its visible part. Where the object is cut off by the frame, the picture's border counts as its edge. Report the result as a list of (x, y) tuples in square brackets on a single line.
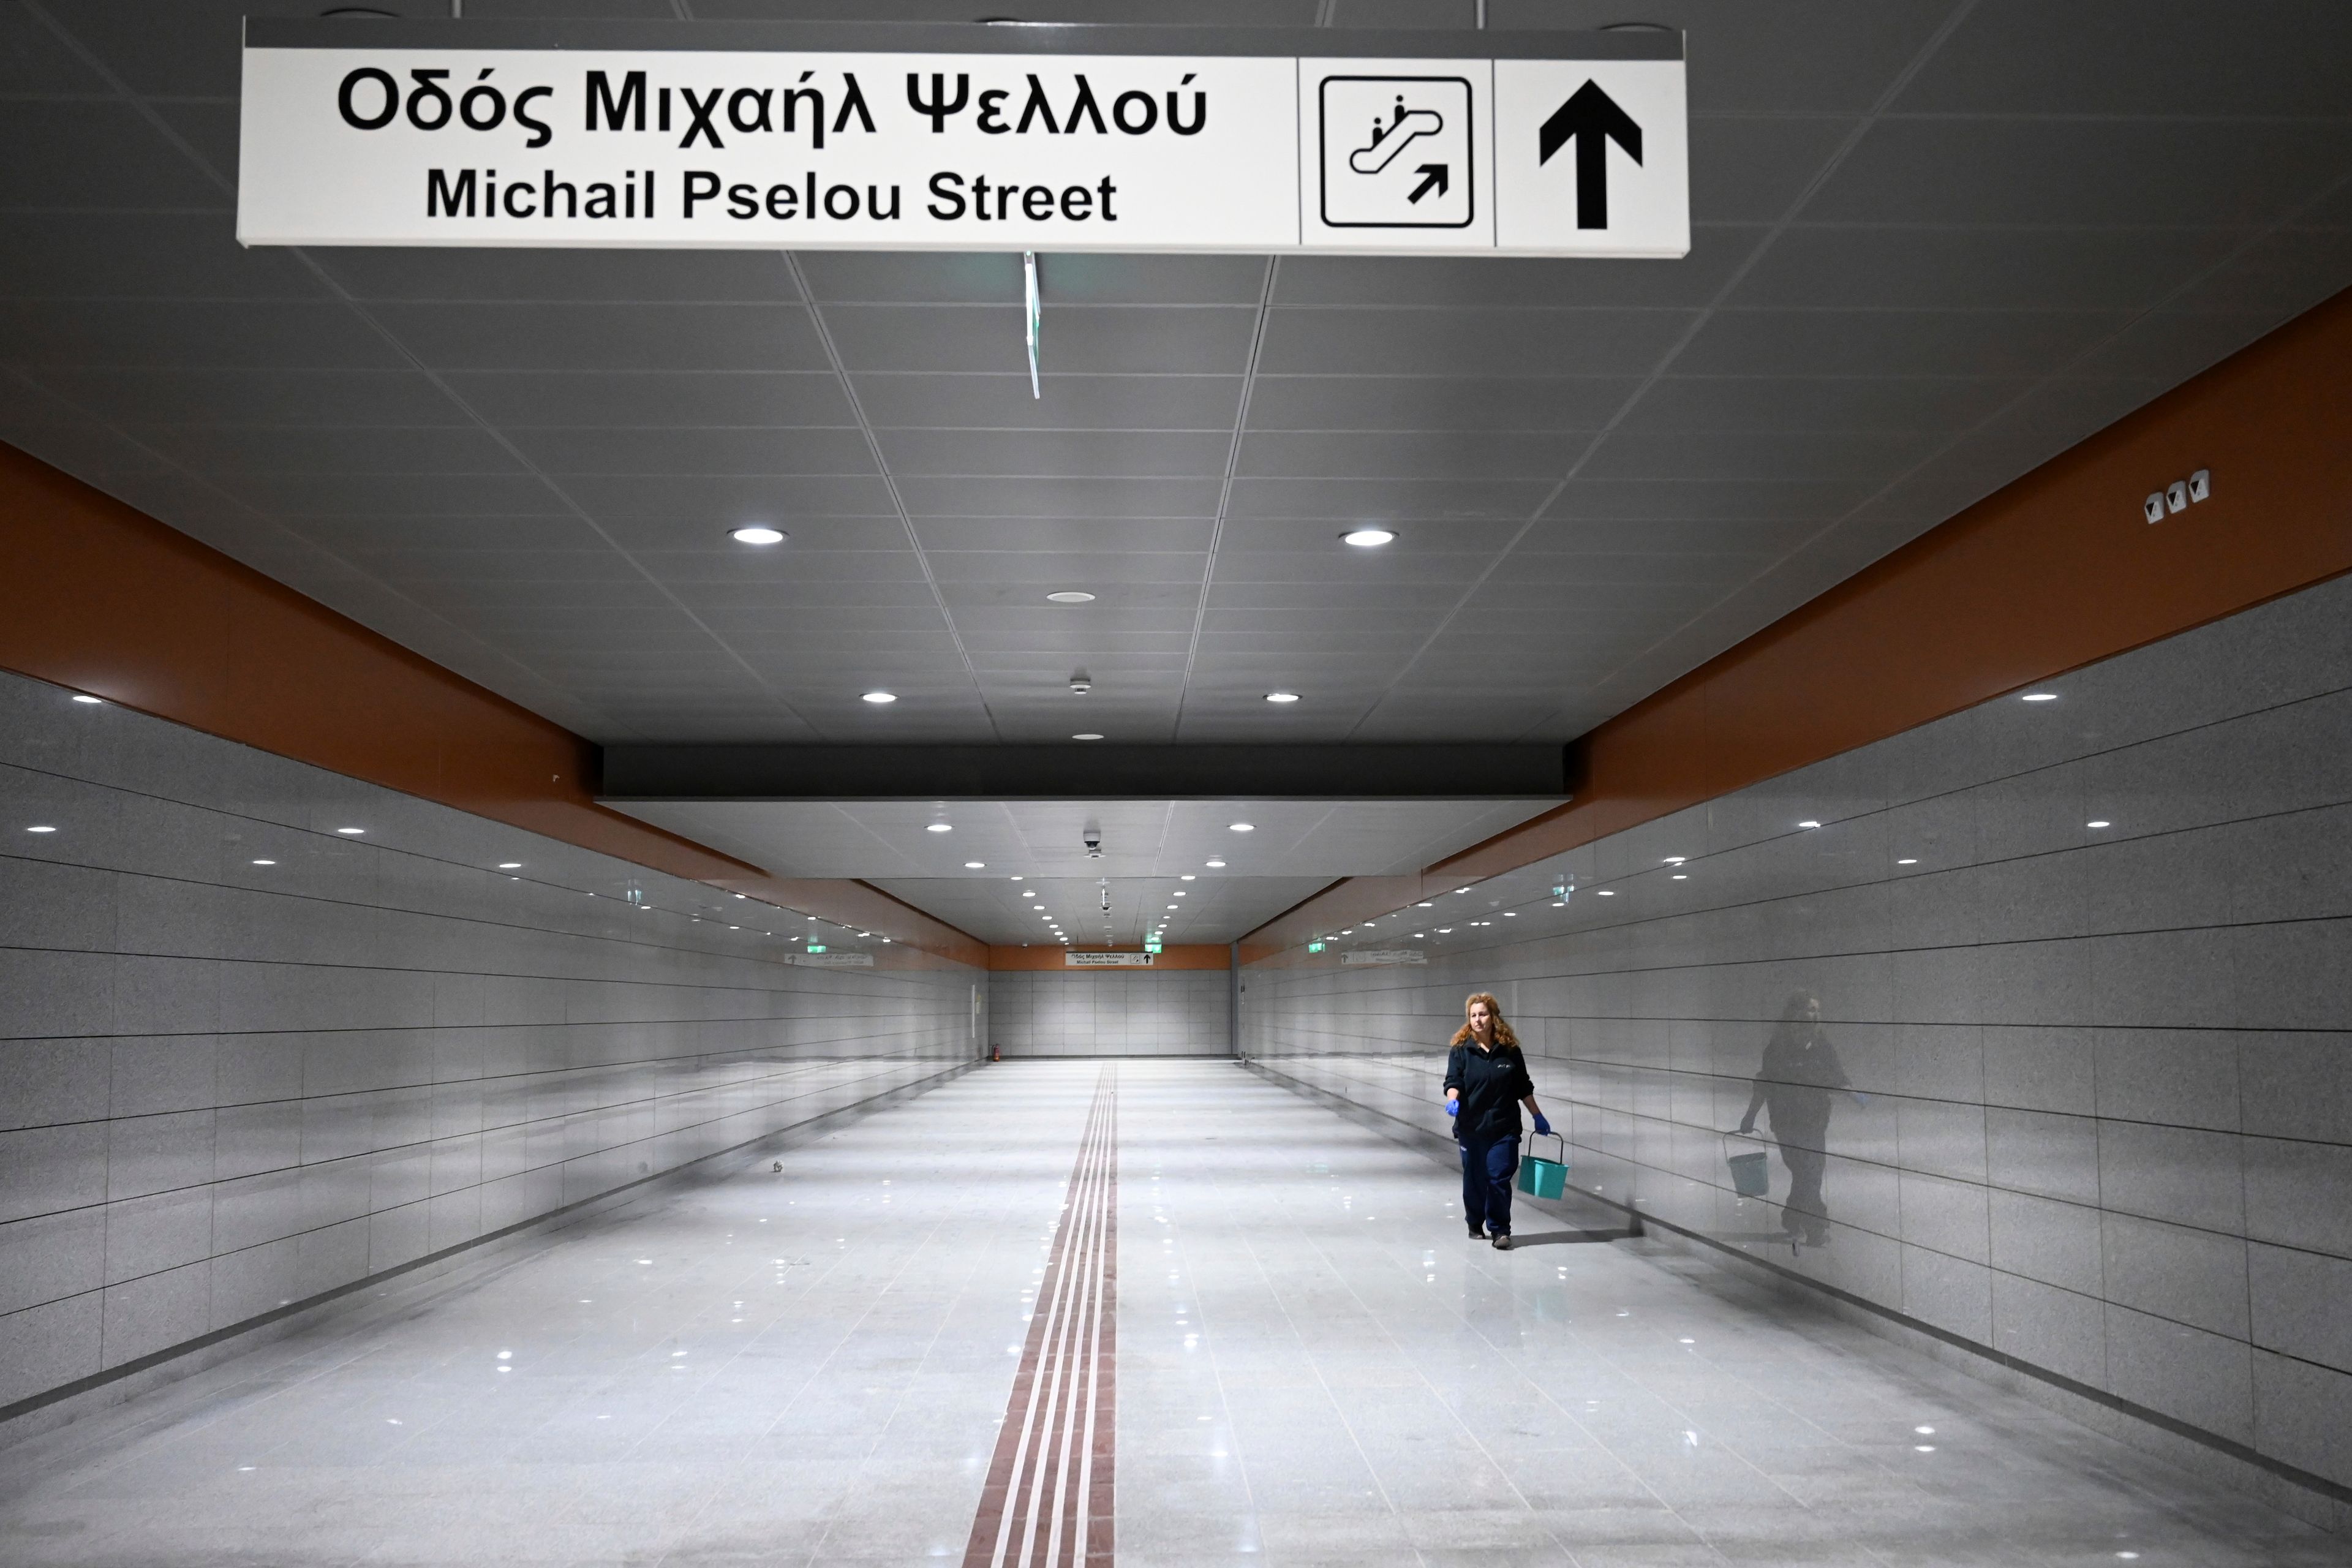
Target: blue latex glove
[(1452, 1107), (1543, 1127)]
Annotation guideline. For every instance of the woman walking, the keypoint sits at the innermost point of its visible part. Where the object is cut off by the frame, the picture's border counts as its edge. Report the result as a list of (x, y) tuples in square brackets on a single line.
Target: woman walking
[(1485, 1083), (1792, 1087)]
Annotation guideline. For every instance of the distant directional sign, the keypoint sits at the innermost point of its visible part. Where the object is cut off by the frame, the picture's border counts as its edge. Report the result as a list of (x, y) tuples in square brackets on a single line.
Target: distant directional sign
[(858, 136)]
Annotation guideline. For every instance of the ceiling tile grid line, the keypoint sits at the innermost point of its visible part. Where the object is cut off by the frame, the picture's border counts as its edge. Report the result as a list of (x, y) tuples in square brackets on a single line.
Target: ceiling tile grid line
[(889, 483), (1658, 372), (335, 290), (1226, 492)]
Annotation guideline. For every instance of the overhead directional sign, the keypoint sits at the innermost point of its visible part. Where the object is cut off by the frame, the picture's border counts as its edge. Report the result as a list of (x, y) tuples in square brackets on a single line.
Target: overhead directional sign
[(875, 137)]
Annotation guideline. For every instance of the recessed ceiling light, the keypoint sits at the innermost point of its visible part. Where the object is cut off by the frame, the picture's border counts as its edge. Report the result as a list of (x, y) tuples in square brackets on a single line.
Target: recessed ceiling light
[(1679, 876), (43, 827), (1187, 876), (1176, 894), (1216, 865), (1172, 906), (265, 862), (1028, 892), (2098, 825), (1367, 537), (1088, 736), (1606, 893), (509, 865), (1017, 875), (2038, 697), (1069, 596), (85, 697), (1676, 859), (975, 865), (1808, 824), (757, 534), (1424, 905), (939, 827), (1510, 914), (1907, 862), (1241, 826), (877, 698), (350, 832), (1281, 697)]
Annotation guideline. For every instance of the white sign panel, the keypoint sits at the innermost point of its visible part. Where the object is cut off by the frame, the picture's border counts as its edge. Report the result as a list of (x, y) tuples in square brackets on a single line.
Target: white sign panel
[(833, 959), (359, 143), (1106, 960), (1386, 955)]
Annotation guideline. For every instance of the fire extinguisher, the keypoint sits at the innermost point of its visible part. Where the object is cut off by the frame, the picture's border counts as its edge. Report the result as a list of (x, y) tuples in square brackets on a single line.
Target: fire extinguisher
[(995, 1053)]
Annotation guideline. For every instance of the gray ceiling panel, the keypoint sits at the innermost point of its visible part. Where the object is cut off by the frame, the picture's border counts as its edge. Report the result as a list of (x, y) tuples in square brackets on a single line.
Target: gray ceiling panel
[(1136, 454), (682, 400), (1977, 270), (1468, 341), (587, 276), (2069, 210), (115, 333), (166, 398), (1041, 495), (2187, 173), (527, 335), (1063, 535), (708, 451), (1070, 402), (1892, 343), (1451, 455), (2133, 57), (1094, 339), (1792, 404), (1430, 403), (992, 278)]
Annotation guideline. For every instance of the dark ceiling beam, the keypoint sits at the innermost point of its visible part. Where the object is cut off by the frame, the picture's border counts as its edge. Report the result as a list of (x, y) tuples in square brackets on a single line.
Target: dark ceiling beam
[(647, 773)]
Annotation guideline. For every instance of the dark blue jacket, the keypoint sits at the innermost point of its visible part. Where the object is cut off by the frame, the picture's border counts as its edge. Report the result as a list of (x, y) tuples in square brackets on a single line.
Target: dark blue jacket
[(1492, 1084)]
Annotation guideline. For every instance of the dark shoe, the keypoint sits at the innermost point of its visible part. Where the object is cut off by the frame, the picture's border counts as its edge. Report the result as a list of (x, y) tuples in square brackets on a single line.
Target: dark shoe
[(1503, 1242), (1477, 1235)]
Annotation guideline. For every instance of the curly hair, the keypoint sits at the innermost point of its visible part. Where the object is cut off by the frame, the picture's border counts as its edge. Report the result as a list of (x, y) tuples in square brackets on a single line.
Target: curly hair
[(1503, 1034)]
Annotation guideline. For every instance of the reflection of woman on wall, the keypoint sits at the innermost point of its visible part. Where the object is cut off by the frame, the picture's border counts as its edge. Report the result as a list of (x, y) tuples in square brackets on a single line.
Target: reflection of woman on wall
[(1798, 1070)]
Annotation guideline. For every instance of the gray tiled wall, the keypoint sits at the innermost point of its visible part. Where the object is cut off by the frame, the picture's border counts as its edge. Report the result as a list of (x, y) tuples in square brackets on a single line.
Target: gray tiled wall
[(228, 1086), (2100, 1107), (1110, 1013)]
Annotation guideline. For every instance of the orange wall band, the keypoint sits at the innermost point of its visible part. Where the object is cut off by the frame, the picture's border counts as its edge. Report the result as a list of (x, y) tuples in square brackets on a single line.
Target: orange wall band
[(1202, 955), (2054, 571), (102, 598)]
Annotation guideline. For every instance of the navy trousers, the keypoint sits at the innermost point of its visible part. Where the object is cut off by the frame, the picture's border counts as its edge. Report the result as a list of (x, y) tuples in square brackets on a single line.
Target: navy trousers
[(1487, 1172)]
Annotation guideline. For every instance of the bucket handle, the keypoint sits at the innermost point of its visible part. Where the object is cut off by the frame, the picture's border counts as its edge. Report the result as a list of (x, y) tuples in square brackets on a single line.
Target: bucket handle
[(1532, 1135)]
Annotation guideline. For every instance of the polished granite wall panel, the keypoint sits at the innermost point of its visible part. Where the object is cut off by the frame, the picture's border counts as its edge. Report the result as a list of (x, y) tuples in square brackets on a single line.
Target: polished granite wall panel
[(1110, 1012), (2087, 966), (246, 1058)]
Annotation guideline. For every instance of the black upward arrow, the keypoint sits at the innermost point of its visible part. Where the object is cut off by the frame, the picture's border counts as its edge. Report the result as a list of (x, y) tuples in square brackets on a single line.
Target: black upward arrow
[(1433, 174), (1591, 118)]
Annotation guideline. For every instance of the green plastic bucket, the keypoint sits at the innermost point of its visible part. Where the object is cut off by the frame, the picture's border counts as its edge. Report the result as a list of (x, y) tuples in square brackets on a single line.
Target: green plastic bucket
[(1541, 1178), (1749, 1179)]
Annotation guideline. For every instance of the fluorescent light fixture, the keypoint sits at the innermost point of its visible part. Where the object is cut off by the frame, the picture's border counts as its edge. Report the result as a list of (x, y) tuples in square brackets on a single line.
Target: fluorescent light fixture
[(1606, 893), (1069, 596), (1017, 875), (1028, 892), (1913, 862), (1216, 865), (1680, 878), (2098, 825), (1241, 826), (2038, 697), (1088, 736), (1367, 537), (877, 698), (939, 827), (43, 827), (1676, 859), (350, 832), (757, 533), (85, 697), (1280, 697), (1176, 894), (265, 862), (1808, 824), (1187, 876), (1424, 905), (975, 865), (509, 865)]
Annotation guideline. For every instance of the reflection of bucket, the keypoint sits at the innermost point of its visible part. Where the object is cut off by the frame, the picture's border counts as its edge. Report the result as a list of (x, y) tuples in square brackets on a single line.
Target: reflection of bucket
[(1749, 1177)]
